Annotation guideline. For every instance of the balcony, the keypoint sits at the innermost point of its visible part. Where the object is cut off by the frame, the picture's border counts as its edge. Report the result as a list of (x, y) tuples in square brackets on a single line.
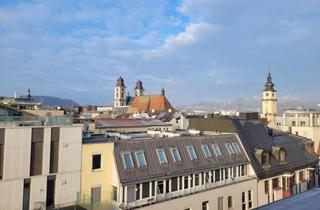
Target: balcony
[(185, 192)]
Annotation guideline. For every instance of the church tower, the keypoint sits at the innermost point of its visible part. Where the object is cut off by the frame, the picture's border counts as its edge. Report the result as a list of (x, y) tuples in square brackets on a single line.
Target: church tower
[(139, 88), (269, 100), (119, 93)]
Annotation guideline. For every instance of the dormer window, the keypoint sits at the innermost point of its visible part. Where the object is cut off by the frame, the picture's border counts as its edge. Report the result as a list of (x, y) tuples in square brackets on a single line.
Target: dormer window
[(230, 149), (141, 159), (175, 154), (265, 159), (282, 155), (279, 154), (162, 156), (192, 153), (216, 150), (206, 151), (236, 148), (127, 160)]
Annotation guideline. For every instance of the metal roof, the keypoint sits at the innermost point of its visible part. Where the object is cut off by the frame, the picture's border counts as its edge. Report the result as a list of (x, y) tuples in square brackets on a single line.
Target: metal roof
[(156, 171)]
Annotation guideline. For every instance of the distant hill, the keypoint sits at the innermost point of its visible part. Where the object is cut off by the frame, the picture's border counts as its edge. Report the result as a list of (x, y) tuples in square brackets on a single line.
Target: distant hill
[(55, 101)]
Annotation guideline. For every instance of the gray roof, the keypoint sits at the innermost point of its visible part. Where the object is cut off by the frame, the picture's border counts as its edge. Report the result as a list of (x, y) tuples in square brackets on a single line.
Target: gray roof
[(306, 200), (254, 135), (156, 171)]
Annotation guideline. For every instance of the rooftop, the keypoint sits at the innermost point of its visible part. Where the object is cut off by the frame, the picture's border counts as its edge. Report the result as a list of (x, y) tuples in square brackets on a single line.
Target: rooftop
[(19, 121), (190, 156), (307, 200)]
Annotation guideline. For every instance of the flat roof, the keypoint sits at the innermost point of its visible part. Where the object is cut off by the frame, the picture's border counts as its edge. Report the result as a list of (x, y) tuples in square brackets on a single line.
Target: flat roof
[(306, 200)]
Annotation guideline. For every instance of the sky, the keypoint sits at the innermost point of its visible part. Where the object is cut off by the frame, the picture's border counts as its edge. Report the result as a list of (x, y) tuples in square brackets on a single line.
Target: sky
[(198, 50)]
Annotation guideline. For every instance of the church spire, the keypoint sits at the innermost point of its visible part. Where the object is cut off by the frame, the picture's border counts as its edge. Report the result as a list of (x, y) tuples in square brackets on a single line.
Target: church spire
[(269, 86), (163, 92)]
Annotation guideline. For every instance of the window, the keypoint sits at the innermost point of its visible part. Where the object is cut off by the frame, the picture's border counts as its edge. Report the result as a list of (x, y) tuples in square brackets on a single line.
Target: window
[(138, 189), (265, 158), (186, 182), (141, 159), (192, 153), (160, 187), (174, 184), (229, 201), (145, 190), (303, 123), (196, 179), (162, 156), (217, 175), (243, 201), (249, 200), (301, 176), (293, 123), (206, 151), (236, 148), (205, 205), (175, 154), (275, 183), (230, 149), (266, 187), (216, 150), (96, 161), (127, 160), (114, 193), (226, 173)]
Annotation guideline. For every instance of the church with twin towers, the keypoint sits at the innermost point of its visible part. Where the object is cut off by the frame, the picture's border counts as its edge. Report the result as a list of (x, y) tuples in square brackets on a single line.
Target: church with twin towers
[(140, 103)]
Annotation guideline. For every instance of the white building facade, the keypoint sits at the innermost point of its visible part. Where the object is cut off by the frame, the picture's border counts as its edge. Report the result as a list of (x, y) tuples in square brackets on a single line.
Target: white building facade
[(40, 166)]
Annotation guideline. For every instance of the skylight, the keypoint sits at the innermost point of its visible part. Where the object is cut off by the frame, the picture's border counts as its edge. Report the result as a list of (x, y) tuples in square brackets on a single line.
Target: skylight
[(192, 153), (162, 156), (206, 151), (127, 160), (230, 149), (175, 154), (216, 150), (236, 148), (141, 159)]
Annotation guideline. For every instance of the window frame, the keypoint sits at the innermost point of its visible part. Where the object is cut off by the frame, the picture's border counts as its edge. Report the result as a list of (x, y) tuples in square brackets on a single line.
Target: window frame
[(216, 150), (96, 169), (204, 151), (144, 158), (194, 152), (124, 162), (173, 156), (236, 147), (230, 149), (165, 156)]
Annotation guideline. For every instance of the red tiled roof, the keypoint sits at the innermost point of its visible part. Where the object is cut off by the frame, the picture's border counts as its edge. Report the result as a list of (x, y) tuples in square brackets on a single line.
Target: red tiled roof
[(149, 103)]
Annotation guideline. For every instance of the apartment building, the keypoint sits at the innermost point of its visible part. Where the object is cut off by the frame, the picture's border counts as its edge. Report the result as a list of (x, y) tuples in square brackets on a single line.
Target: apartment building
[(284, 164), (187, 172), (40, 162), (97, 171), (302, 122)]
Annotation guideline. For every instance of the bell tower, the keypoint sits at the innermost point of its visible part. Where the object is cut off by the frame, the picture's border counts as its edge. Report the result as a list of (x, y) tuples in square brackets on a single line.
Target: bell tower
[(119, 93), (139, 88), (269, 100)]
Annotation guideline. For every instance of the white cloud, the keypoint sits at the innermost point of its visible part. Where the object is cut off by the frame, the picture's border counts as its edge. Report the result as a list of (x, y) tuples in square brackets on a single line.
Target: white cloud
[(194, 33)]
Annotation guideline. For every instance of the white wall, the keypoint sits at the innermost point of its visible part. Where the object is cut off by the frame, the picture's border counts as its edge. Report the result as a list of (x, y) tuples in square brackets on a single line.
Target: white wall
[(17, 152)]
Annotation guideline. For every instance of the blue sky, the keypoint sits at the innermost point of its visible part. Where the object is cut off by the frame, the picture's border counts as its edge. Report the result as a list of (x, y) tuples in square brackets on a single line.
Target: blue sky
[(198, 50)]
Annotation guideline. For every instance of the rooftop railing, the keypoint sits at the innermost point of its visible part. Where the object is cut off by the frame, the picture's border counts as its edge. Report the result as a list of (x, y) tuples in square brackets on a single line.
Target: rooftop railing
[(18, 121)]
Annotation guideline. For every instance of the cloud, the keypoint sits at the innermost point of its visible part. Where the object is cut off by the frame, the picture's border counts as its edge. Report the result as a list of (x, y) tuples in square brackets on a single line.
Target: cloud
[(198, 49)]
